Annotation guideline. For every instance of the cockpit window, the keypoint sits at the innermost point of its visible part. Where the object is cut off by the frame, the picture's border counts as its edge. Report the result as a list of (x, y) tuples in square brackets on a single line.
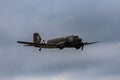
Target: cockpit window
[(76, 37)]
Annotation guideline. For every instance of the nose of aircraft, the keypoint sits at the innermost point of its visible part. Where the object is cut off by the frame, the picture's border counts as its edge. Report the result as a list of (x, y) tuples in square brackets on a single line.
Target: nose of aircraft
[(79, 39)]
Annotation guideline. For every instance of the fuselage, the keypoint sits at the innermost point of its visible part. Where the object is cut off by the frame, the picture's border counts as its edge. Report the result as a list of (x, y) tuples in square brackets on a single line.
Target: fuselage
[(69, 41)]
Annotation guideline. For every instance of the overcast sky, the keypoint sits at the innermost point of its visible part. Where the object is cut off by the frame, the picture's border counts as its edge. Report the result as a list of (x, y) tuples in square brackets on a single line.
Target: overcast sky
[(92, 20)]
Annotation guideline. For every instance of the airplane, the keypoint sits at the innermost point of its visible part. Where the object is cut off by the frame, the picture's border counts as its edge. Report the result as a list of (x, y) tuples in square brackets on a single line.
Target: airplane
[(71, 41)]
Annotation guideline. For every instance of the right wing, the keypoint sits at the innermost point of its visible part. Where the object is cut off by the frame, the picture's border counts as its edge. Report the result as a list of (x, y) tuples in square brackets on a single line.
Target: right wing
[(42, 45)]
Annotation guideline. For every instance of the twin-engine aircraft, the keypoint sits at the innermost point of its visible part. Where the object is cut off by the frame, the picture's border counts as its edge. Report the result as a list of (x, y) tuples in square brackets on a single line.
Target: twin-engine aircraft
[(61, 43)]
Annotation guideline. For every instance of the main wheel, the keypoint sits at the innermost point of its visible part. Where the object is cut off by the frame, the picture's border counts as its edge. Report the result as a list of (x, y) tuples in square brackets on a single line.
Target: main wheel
[(61, 46), (77, 47), (40, 49)]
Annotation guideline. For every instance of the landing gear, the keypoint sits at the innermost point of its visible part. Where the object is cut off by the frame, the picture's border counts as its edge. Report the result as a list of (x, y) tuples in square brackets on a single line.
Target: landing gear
[(77, 47), (61, 47), (43, 42), (40, 49)]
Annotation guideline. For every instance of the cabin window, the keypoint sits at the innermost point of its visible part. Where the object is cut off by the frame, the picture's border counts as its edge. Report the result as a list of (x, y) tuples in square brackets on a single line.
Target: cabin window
[(70, 39)]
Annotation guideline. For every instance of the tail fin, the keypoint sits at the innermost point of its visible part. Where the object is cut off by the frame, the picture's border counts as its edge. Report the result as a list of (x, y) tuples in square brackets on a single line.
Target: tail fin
[(36, 38)]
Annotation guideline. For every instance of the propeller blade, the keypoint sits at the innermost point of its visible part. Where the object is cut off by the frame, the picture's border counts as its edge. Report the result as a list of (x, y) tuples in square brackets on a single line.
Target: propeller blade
[(82, 48)]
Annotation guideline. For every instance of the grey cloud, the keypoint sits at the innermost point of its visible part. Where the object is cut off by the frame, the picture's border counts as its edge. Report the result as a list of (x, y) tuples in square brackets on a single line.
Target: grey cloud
[(100, 21), (49, 63)]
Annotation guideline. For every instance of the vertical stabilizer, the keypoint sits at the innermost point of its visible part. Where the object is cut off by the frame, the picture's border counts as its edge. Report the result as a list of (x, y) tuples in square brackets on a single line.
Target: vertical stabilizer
[(36, 38)]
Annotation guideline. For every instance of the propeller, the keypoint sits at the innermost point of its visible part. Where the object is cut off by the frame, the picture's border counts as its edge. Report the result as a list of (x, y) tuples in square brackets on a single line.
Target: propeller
[(87, 43), (82, 46)]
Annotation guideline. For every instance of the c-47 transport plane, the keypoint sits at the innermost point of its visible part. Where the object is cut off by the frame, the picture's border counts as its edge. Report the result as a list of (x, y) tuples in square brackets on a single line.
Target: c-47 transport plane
[(71, 41)]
